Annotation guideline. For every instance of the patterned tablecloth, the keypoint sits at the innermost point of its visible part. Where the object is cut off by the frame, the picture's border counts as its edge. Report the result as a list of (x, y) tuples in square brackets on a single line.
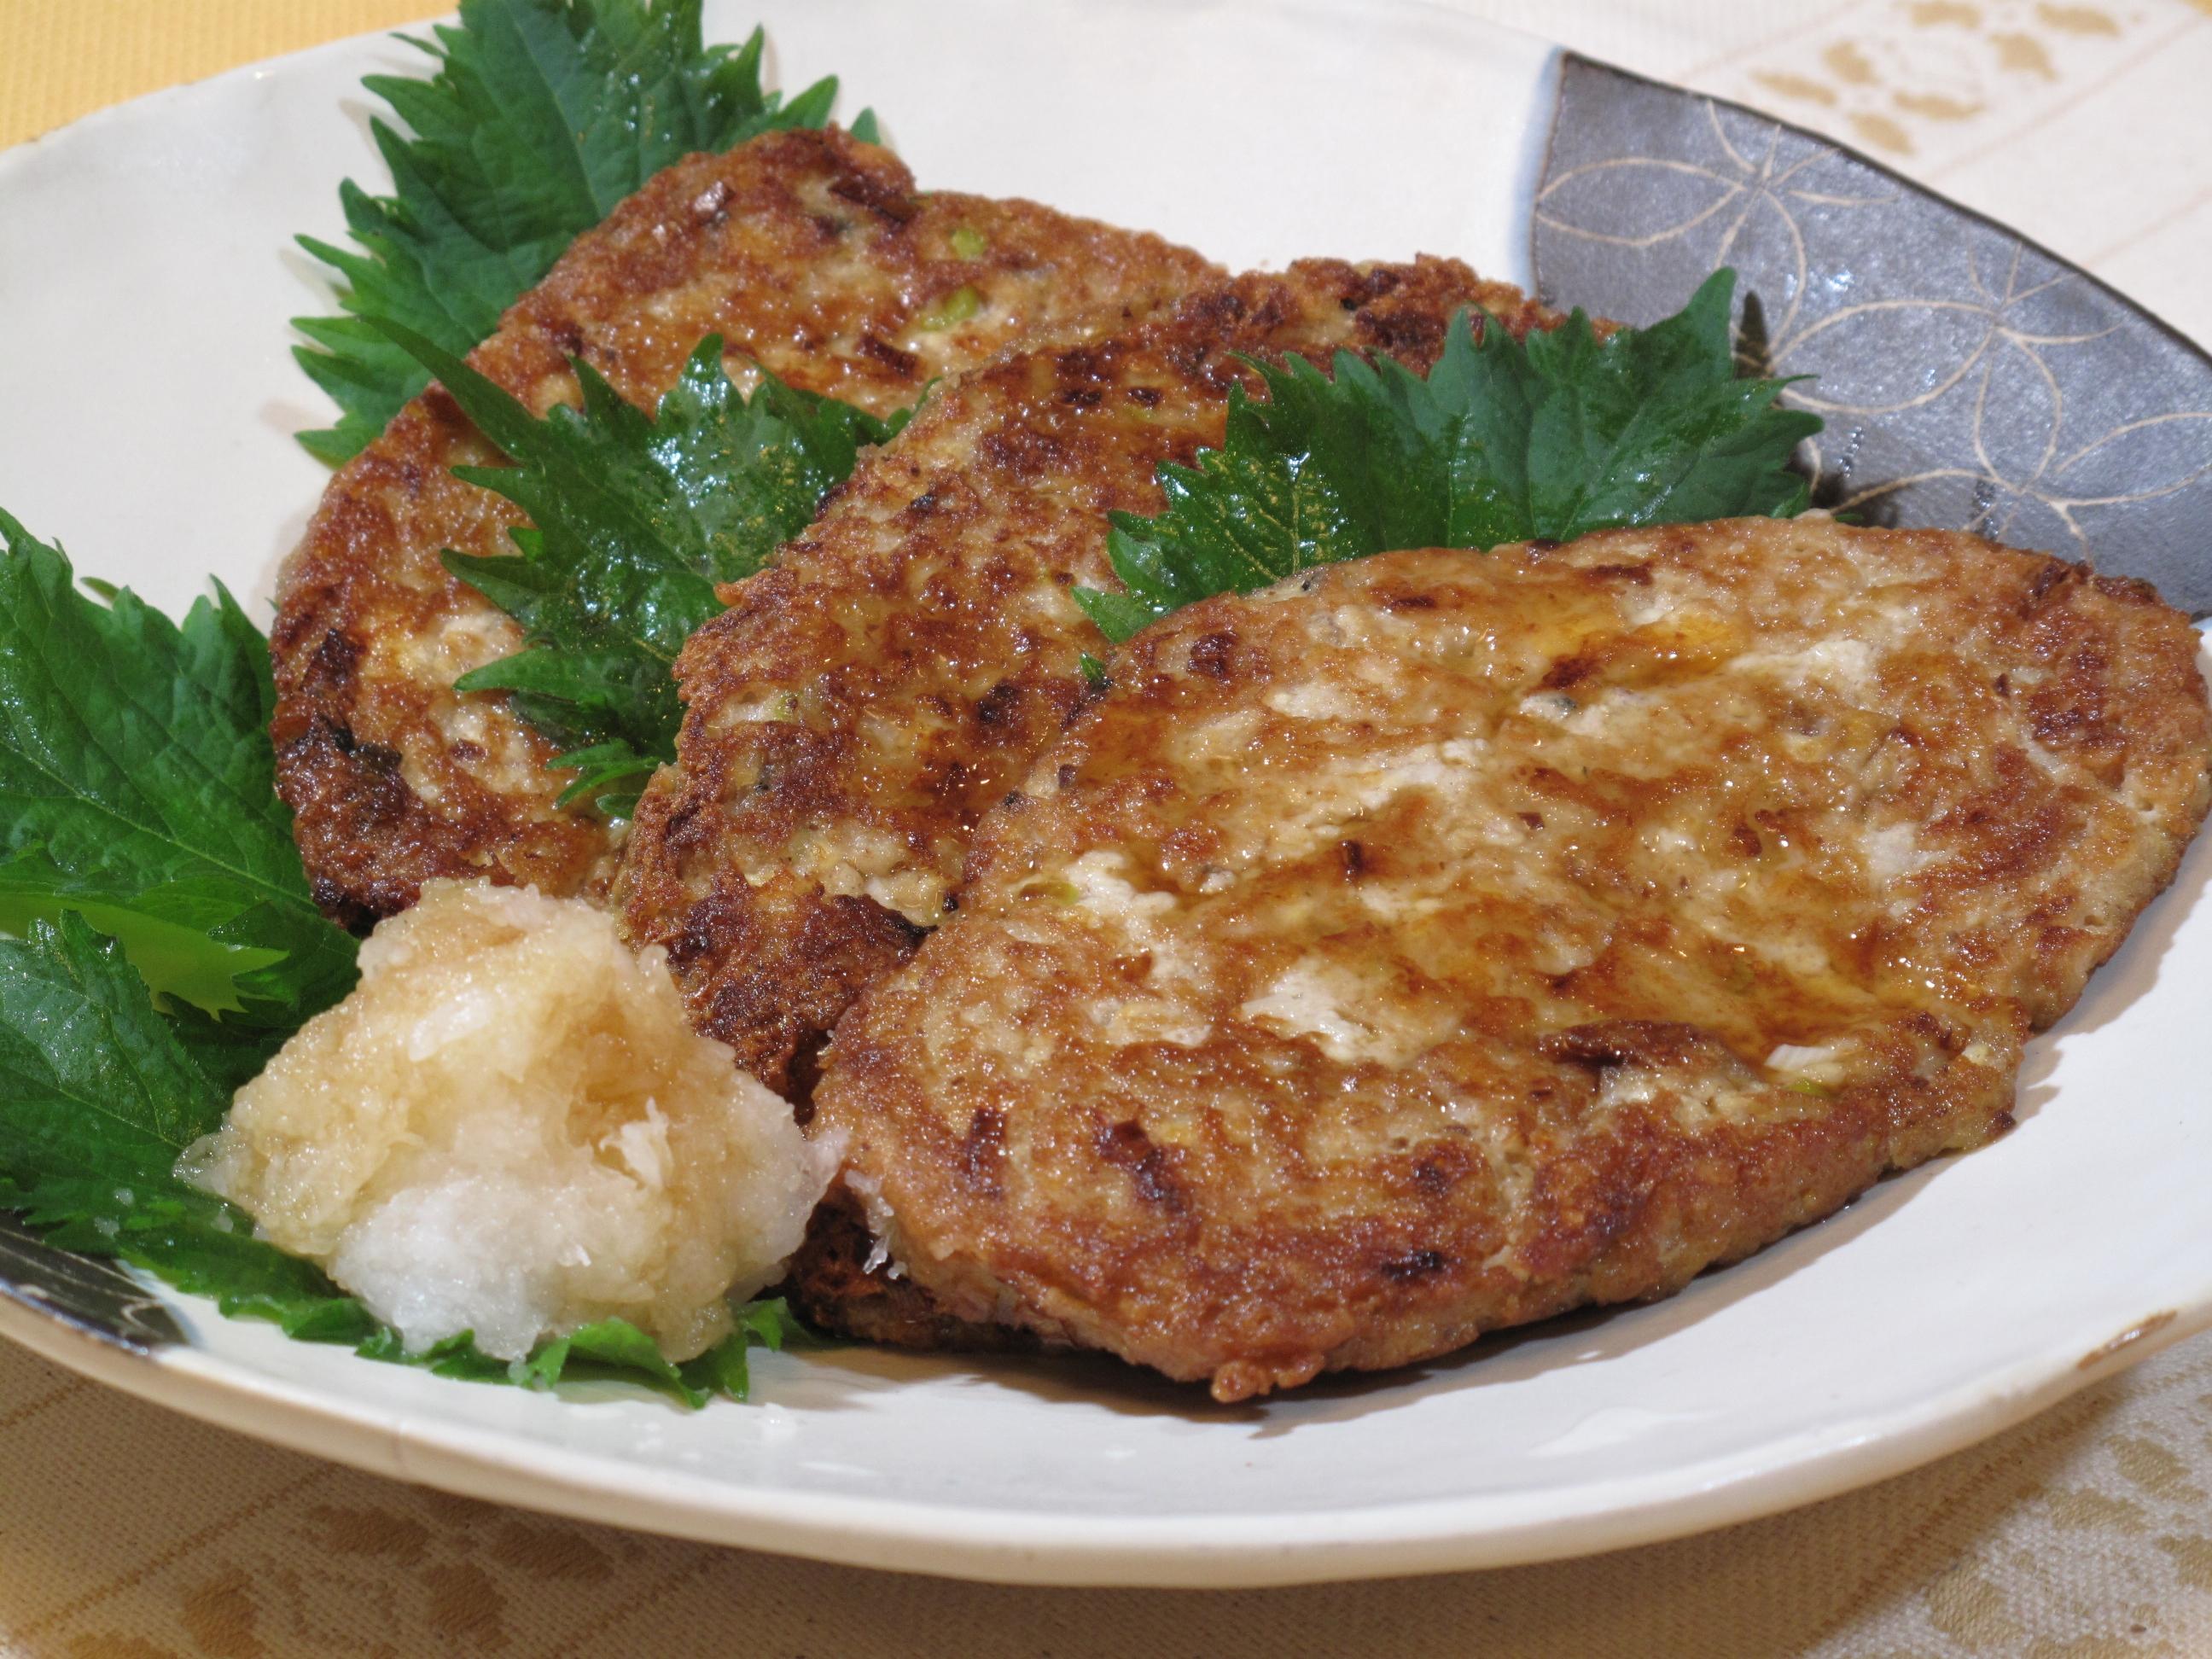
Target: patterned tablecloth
[(129, 1532)]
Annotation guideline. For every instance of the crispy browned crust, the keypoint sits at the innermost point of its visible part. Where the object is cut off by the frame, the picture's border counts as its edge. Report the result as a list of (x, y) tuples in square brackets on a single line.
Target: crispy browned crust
[(1438, 942), (811, 253), (860, 706), (838, 1284)]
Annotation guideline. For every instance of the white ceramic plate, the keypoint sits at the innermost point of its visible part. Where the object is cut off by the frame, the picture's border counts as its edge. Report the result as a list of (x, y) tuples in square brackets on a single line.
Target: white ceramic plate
[(145, 276)]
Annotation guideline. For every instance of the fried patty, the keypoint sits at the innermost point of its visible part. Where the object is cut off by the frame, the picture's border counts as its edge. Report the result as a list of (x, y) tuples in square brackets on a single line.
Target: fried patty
[(860, 706), (1438, 942), (813, 255)]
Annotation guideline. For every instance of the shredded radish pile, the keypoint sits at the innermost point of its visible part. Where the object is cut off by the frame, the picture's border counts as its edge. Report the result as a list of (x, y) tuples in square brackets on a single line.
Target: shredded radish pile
[(510, 1128)]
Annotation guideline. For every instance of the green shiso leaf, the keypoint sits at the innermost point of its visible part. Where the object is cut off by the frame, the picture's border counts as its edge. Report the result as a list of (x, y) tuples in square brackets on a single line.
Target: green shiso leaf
[(1504, 441), (100, 1093), (137, 789), (540, 116), (168, 943), (635, 520)]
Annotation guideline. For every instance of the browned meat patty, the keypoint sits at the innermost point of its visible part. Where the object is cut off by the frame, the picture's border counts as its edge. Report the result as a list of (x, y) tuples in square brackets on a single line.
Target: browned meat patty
[(1438, 942), (811, 254), (860, 706)]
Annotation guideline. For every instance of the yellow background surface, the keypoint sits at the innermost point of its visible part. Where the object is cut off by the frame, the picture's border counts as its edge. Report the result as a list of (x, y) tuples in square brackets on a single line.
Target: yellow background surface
[(61, 59)]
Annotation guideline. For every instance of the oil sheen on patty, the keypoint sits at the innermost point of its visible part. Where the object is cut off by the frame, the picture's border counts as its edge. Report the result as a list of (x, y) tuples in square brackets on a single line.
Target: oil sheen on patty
[(862, 704), (813, 255), (1438, 942)]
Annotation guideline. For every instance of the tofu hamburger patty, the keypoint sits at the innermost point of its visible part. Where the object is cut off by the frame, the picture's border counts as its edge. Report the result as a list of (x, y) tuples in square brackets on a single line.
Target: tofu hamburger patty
[(862, 703), (1438, 942), (813, 255)]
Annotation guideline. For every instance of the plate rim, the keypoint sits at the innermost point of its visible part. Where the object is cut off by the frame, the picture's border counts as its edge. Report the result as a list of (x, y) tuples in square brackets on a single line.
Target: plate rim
[(1010, 1546)]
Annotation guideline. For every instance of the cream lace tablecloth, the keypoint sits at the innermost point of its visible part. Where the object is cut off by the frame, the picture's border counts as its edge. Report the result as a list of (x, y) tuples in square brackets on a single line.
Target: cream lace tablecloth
[(131, 1533)]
